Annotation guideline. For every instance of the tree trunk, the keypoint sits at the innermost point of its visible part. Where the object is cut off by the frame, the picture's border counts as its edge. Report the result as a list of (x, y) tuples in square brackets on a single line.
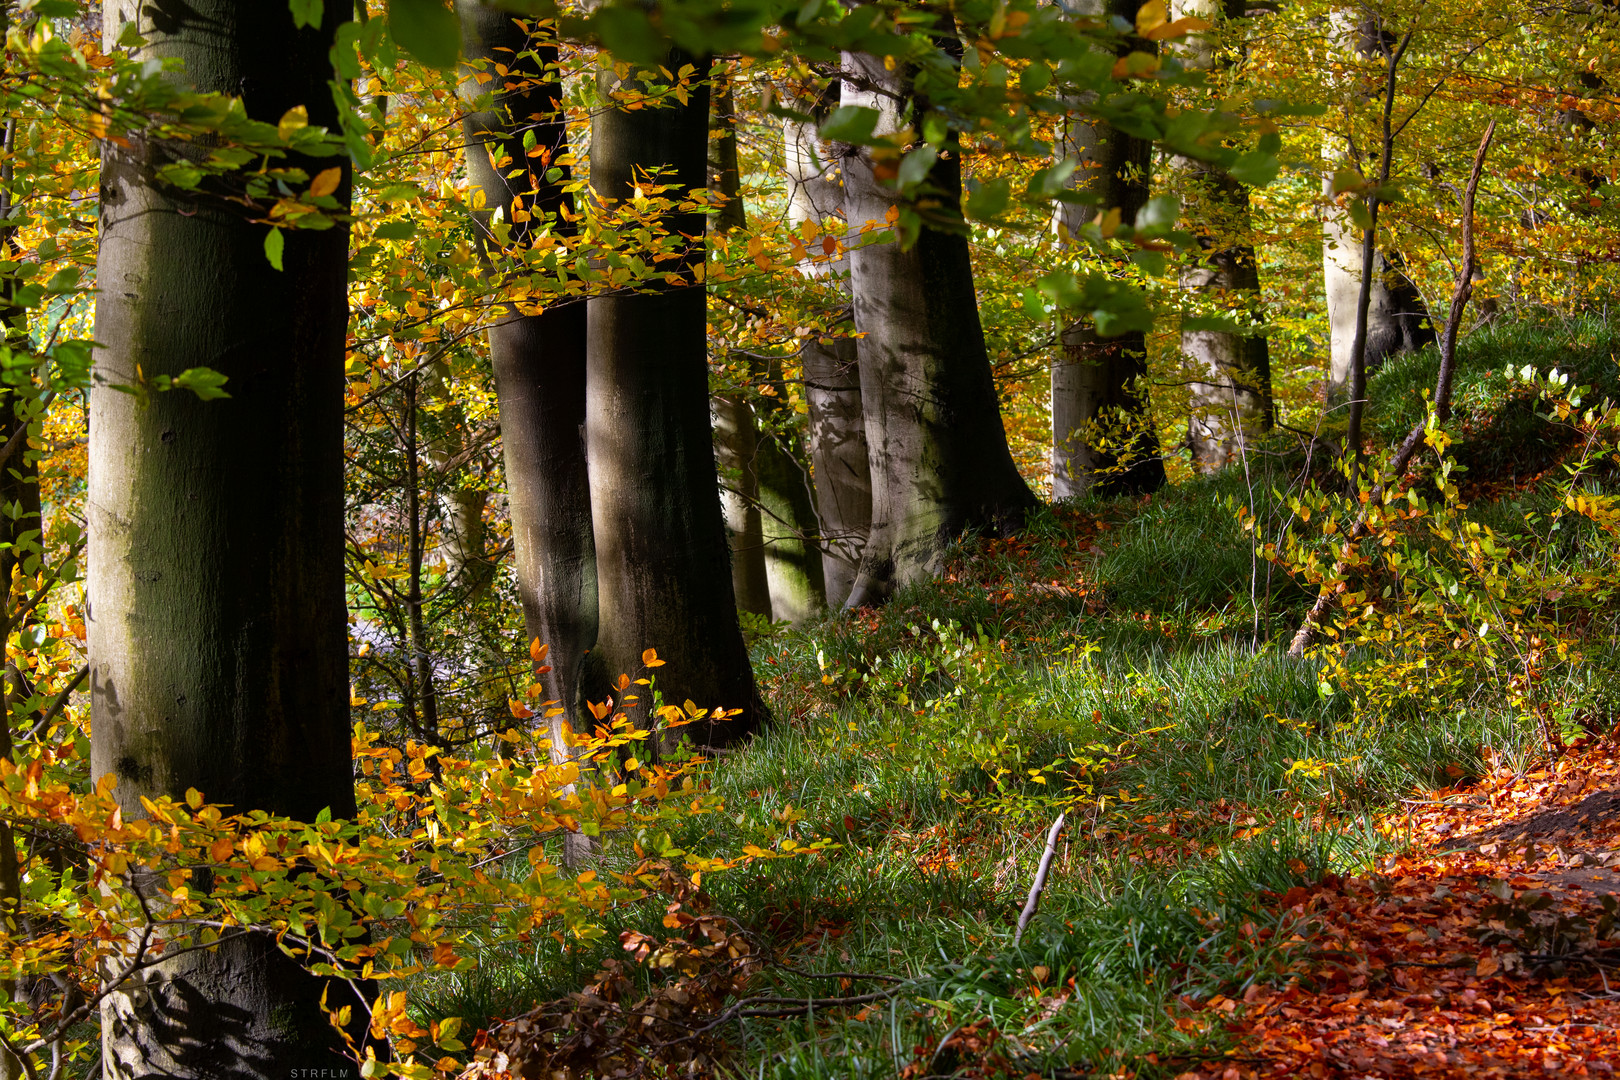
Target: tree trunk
[(663, 569), (1396, 319), (1235, 404), (538, 360), (836, 427), (736, 447), (216, 609), (736, 428), (788, 512), (1103, 437), (936, 446)]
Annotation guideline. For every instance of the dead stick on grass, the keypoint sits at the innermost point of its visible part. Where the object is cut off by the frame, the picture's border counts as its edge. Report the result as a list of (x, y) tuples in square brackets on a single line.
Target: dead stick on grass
[(1035, 890), (1414, 439)]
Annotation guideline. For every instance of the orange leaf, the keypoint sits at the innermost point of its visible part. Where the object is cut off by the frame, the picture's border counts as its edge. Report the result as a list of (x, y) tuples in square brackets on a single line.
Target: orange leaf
[(326, 181)]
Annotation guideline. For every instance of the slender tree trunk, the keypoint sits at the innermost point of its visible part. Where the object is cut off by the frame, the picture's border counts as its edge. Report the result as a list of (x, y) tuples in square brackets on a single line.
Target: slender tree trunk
[(426, 719), (663, 567), (792, 532), (1103, 437), (216, 595), (736, 447), (1235, 404), (836, 428), (538, 357), (736, 427), (937, 449)]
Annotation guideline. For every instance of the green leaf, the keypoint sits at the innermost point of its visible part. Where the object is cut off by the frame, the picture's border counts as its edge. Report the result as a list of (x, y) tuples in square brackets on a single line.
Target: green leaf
[(850, 124), (273, 245), (426, 29), (989, 200), (395, 230), (914, 168), (1256, 168), (306, 12), (206, 383)]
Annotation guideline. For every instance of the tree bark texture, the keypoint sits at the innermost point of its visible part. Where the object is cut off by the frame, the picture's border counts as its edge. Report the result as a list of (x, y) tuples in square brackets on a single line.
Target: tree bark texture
[(1396, 319), (736, 426), (538, 359), (937, 450), (216, 604), (662, 565), (1103, 437), (1235, 404), (736, 448), (836, 428), (793, 563)]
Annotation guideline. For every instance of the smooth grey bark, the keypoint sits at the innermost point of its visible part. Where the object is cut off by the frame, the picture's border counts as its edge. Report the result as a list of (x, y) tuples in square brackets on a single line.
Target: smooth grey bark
[(836, 426), (788, 532), (736, 428), (793, 563), (663, 569), (736, 448), (538, 361), (1103, 437), (216, 614), (938, 453), (1374, 310), (1235, 404)]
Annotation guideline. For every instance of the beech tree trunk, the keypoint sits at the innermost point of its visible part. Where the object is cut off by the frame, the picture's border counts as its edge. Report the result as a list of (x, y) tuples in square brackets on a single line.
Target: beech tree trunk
[(1397, 320), (217, 625), (1235, 404), (736, 448), (1103, 437), (663, 569), (793, 562), (538, 360), (736, 428), (937, 449), (836, 428)]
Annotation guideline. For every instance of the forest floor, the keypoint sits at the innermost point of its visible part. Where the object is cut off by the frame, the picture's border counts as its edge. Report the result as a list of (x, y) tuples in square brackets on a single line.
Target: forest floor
[(1407, 977), (1270, 867)]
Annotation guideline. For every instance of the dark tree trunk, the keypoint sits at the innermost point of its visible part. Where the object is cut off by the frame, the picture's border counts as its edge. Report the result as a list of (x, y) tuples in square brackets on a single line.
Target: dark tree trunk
[(937, 449), (836, 428), (216, 610), (1103, 438), (538, 359), (662, 566)]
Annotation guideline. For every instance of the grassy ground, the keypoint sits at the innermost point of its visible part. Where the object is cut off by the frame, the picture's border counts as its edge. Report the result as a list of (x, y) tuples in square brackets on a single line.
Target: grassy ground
[(1120, 660)]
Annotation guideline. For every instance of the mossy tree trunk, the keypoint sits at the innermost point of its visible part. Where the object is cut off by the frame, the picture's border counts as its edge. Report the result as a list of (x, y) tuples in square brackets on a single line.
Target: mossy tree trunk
[(937, 450), (663, 569), (217, 631)]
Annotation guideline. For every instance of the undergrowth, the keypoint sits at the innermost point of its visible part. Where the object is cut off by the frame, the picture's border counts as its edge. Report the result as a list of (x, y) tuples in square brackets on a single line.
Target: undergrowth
[(1122, 661)]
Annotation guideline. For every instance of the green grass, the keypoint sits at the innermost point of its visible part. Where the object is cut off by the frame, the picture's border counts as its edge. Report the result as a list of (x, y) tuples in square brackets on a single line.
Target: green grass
[(934, 745)]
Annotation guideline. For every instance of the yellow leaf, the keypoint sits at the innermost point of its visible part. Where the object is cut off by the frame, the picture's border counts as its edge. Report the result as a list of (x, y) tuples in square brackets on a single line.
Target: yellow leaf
[(291, 121), (1151, 15), (326, 181)]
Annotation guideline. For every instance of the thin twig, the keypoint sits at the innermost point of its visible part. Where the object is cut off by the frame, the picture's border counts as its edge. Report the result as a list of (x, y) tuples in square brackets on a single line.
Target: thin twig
[(1039, 886)]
